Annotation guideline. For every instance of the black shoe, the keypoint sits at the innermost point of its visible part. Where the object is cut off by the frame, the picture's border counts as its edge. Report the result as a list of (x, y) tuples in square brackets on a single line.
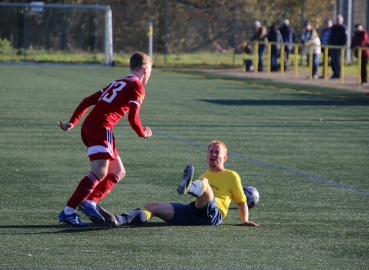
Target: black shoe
[(185, 184)]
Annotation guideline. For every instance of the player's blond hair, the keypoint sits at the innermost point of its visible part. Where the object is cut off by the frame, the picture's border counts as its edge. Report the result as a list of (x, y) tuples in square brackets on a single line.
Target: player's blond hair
[(219, 143), (139, 60)]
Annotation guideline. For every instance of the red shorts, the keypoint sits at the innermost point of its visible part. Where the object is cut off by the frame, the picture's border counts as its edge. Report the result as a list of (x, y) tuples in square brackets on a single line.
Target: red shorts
[(100, 142)]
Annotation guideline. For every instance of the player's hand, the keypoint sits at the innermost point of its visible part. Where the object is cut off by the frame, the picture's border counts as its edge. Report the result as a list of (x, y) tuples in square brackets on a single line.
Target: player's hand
[(148, 132), (66, 126), (250, 223)]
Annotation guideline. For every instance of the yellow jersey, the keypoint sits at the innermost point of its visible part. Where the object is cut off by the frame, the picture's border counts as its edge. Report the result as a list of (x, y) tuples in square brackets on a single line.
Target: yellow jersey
[(226, 186)]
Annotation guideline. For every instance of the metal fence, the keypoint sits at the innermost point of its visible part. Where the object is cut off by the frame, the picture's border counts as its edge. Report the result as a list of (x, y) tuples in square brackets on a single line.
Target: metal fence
[(179, 27), (295, 60)]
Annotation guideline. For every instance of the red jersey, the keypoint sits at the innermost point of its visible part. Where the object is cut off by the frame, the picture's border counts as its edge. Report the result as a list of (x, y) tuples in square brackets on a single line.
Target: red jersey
[(112, 103)]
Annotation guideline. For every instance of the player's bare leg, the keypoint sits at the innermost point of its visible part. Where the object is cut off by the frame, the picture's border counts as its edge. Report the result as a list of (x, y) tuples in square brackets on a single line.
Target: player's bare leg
[(164, 211), (100, 167), (116, 166), (138, 216), (206, 197)]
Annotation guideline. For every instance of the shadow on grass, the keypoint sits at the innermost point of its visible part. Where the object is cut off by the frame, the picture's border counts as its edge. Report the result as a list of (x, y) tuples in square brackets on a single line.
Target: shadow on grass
[(69, 229), (278, 102), (210, 75), (65, 228)]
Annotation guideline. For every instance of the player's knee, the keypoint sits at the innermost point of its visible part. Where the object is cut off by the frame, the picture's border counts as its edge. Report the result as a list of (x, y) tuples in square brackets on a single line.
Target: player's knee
[(204, 180), (154, 208), (207, 187), (151, 206), (121, 174), (101, 174)]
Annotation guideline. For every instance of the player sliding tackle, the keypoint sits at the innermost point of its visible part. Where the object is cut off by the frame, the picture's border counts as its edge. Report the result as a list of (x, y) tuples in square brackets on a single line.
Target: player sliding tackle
[(111, 104), (213, 193)]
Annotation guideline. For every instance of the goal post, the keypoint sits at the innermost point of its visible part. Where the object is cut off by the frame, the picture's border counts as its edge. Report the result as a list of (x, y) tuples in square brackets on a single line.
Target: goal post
[(108, 36), (28, 30)]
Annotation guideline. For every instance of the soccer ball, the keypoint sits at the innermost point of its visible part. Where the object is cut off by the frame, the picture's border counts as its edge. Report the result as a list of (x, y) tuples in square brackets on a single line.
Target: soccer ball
[(252, 196)]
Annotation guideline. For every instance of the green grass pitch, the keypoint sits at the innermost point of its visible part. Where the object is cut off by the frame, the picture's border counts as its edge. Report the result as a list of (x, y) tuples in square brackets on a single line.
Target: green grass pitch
[(304, 148)]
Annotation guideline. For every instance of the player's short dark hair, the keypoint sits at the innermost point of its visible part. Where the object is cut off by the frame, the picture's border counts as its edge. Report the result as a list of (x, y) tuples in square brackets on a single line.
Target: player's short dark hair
[(139, 60)]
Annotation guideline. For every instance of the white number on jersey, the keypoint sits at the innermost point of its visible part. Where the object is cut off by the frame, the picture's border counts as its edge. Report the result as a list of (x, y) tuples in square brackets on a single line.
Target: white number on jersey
[(116, 86)]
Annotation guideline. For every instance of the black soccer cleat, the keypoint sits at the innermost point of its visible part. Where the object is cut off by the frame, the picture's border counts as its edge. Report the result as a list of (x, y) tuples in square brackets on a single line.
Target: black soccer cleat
[(185, 184)]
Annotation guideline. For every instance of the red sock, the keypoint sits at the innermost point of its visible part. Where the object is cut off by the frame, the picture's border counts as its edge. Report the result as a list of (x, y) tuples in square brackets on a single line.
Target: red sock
[(104, 187), (84, 188)]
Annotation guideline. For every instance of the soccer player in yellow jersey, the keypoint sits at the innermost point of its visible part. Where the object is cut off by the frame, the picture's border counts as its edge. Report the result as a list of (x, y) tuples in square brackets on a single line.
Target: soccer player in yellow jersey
[(213, 193)]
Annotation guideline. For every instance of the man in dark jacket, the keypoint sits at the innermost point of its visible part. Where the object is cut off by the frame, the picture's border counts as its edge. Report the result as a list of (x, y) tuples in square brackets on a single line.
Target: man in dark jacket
[(324, 38), (360, 39), (338, 37), (274, 36), (288, 36), (260, 36)]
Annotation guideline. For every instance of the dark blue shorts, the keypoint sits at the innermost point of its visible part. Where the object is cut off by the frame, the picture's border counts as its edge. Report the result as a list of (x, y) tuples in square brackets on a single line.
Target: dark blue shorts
[(188, 214)]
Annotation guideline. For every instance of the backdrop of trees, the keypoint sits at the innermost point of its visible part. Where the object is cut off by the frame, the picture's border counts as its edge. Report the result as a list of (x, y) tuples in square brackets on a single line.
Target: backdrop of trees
[(183, 25)]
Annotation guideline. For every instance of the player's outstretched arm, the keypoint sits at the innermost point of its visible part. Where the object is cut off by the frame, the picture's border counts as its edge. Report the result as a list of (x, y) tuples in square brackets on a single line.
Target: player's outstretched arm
[(243, 211), (135, 121), (66, 126)]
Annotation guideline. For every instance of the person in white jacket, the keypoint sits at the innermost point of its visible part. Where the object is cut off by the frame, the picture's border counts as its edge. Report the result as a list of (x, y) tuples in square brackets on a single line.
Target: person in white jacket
[(312, 39)]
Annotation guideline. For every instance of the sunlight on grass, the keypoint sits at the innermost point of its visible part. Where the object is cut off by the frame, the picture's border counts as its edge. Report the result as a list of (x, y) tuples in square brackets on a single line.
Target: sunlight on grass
[(188, 60), (272, 132)]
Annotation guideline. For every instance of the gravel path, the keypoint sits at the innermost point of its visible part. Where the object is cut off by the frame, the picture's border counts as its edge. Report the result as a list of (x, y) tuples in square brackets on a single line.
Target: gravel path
[(350, 82)]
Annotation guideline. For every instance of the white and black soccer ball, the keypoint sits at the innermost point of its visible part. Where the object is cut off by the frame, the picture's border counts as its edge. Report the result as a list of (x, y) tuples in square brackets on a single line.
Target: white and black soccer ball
[(252, 196)]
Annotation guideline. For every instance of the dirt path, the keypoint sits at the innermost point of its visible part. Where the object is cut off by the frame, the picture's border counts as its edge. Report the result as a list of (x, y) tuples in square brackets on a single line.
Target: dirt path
[(350, 82)]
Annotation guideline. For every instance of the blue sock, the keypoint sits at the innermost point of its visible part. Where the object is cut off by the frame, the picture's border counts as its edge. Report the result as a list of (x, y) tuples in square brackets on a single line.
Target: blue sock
[(135, 217), (197, 188)]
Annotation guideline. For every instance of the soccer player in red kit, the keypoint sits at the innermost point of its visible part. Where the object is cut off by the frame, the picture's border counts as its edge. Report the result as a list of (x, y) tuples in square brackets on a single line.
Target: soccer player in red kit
[(111, 104)]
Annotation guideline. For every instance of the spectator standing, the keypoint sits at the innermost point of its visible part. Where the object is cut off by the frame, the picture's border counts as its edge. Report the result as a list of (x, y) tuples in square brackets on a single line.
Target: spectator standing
[(304, 38), (338, 37), (275, 36), (288, 36), (361, 39), (260, 36), (324, 38), (312, 39)]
